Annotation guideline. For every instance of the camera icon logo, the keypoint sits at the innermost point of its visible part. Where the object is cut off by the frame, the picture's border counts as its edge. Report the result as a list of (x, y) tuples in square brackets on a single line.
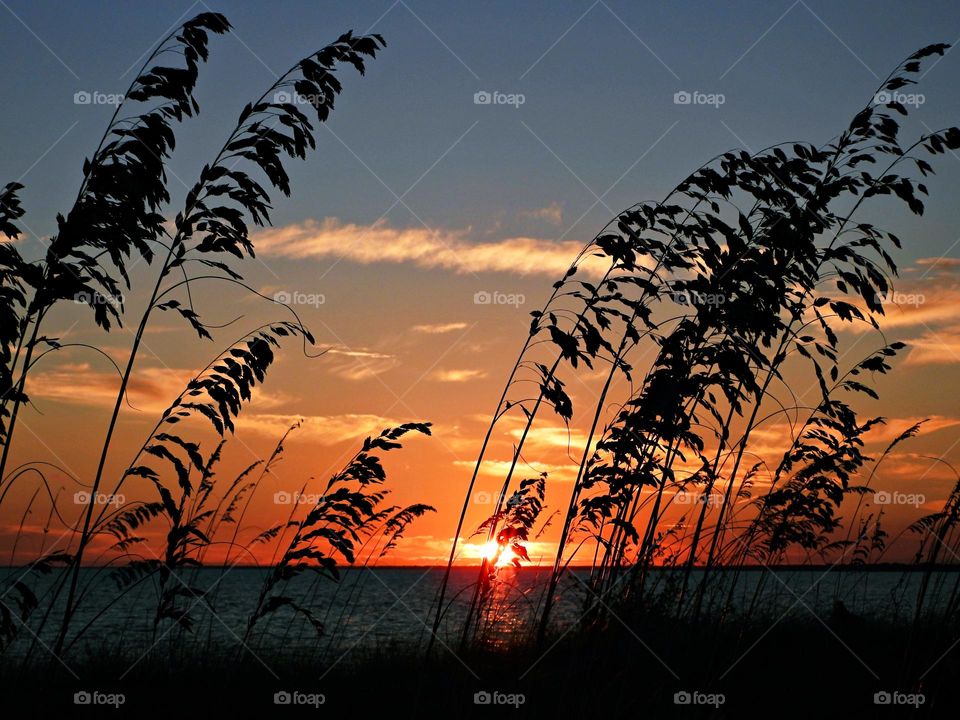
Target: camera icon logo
[(482, 698), (682, 98), (882, 97), (282, 698), (482, 498), (283, 297), (482, 98), (482, 298), (882, 698), (682, 698), (82, 698), (882, 498), (282, 497), (81, 498), (82, 97), (282, 97)]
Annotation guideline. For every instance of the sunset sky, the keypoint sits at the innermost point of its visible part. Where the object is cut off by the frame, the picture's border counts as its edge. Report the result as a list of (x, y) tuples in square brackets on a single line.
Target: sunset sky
[(419, 201)]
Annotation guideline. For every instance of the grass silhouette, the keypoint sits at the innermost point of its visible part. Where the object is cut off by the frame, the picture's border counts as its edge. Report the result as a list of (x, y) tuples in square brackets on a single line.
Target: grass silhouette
[(752, 265)]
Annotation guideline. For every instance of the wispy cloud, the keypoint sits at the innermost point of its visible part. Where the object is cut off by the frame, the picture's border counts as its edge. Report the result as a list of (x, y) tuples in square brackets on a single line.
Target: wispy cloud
[(359, 363), (500, 468), (923, 312), (553, 437), (440, 328), (939, 262), (940, 346), (319, 429), (552, 213), (150, 390), (896, 425), (458, 376), (440, 249)]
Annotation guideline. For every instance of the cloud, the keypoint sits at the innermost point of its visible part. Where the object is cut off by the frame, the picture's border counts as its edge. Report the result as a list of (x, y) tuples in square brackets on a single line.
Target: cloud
[(943, 263), (552, 213), (319, 429), (919, 306), (553, 437), (458, 376), (913, 305), (499, 469), (907, 471), (151, 389), (359, 363), (440, 249), (935, 347), (896, 425), (926, 295), (439, 329)]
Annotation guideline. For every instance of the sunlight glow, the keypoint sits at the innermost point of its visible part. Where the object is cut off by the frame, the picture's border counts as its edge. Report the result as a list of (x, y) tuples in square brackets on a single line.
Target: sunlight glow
[(490, 551)]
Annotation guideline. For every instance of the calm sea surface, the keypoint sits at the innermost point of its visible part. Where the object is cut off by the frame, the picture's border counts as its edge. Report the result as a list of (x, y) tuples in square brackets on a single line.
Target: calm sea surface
[(381, 607)]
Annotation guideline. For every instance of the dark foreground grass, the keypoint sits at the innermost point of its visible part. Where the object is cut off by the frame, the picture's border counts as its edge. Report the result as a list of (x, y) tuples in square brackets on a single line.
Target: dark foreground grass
[(799, 666)]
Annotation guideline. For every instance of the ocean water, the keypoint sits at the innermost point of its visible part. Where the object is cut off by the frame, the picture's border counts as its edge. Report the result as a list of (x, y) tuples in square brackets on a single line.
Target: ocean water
[(380, 608)]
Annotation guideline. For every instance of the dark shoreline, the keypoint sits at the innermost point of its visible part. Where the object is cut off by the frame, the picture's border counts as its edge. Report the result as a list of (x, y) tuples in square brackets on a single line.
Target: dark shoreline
[(832, 668)]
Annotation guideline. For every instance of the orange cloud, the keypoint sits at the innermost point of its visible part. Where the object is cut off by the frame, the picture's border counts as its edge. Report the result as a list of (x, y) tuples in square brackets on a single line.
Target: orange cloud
[(439, 329), (359, 363), (894, 426), (430, 249), (500, 468), (151, 389), (318, 429), (941, 346), (458, 376)]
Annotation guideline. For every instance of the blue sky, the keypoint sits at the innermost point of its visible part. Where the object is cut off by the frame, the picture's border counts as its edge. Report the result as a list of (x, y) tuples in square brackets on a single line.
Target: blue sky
[(598, 80)]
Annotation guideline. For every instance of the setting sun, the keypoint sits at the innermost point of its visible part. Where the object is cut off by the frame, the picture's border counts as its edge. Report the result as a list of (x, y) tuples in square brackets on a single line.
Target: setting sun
[(492, 552)]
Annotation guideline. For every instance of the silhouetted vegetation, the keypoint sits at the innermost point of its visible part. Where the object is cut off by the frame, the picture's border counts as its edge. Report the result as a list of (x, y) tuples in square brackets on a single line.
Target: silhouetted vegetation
[(750, 267), (118, 217), (753, 264)]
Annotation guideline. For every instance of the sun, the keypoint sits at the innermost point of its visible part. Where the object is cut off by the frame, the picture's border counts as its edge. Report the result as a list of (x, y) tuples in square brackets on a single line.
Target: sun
[(489, 551)]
